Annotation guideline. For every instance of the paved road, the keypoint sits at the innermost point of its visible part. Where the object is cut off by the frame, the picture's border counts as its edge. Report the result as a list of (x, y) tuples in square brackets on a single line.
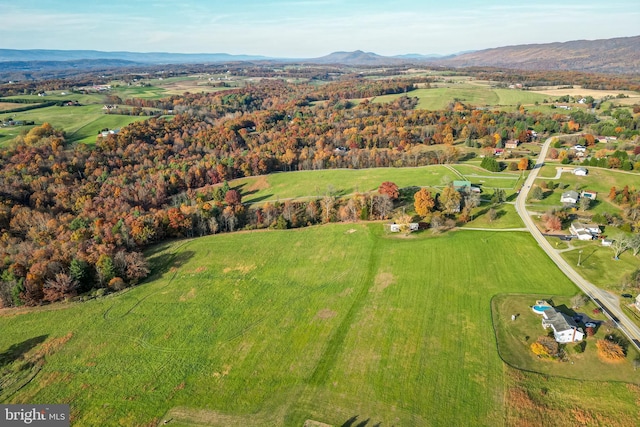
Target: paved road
[(607, 301)]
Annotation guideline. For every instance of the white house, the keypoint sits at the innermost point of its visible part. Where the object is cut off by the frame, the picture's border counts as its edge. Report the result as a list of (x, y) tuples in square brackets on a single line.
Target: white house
[(580, 171), (580, 148), (564, 328), (584, 231), (570, 197)]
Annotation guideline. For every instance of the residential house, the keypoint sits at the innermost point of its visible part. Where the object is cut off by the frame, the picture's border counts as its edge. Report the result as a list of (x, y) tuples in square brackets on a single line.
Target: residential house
[(565, 329), (498, 151), (570, 197), (584, 231), (511, 144), (580, 148), (588, 194), (580, 171)]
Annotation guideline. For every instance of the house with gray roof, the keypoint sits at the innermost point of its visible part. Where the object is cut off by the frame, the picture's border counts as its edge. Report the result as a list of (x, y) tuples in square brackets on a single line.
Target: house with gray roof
[(570, 197), (564, 328)]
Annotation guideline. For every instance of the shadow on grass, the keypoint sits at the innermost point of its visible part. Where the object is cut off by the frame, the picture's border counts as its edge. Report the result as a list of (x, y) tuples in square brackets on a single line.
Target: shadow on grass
[(16, 351), (165, 262), (351, 422)]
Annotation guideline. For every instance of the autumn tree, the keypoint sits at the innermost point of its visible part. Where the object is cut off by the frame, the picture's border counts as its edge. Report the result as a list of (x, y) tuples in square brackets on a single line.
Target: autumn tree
[(390, 189), (610, 350), (423, 202), (450, 199), (523, 164), (545, 346), (233, 198), (60, 287)]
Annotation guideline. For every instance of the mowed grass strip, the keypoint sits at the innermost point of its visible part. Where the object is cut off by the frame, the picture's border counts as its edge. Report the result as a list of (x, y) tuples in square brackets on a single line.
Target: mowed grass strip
[(273, 328)]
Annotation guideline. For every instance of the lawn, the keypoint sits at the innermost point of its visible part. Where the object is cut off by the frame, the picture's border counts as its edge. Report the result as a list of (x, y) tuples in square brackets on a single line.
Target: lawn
[(332, 323), (599, 180), (515, 337), (598, 266), (506, 217)]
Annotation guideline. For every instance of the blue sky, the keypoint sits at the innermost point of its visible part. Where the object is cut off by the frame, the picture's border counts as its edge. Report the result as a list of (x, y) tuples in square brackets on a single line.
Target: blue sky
[(308, 28)]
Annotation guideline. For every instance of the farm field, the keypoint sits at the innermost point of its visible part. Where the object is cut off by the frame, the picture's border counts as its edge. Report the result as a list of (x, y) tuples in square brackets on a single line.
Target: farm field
[(80, 123), (579, 91), (271, 328), (281, 186), (440, 97)]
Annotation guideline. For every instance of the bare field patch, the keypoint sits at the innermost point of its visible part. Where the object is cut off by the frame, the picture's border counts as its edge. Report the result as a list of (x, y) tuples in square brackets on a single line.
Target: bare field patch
[(382, 282), (9, 105), (326, 313), (579, 91), (260, 183), (189, 295), (241, 268)]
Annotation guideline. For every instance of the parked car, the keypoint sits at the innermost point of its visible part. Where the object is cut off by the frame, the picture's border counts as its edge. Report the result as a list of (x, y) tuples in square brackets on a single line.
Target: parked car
[(627, 296)]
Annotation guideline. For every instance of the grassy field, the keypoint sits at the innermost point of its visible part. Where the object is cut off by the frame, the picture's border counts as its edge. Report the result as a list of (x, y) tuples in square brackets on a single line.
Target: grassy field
[(506, 217), (271, 328), (598, 266), (81, 123), (281, 186), (440, 97)]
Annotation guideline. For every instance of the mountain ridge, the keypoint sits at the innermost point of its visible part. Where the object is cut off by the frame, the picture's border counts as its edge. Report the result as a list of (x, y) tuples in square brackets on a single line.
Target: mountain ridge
[(616, 55)]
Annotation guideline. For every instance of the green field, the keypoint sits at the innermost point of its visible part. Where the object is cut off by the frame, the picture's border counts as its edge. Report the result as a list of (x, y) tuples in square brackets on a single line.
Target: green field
[(273, 328), (281, 186), (81, 124), (439, 98)]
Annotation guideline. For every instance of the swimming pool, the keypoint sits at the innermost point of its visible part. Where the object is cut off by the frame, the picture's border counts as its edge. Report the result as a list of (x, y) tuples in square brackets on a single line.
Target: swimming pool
[(540, 308)]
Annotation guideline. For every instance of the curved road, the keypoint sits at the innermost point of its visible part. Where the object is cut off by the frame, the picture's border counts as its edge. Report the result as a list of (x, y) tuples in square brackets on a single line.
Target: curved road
[(601, 298)]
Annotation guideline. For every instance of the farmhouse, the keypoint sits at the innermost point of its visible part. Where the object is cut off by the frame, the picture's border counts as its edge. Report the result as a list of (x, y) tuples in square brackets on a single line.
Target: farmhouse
[(511, 144), (569, 197), (584, 231), (564, 328), (588, 194), (580, 171)]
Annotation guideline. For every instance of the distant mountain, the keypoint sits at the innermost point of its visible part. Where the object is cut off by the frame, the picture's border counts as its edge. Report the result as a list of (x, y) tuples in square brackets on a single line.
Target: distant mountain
[(413, 56), (618, 55), (138, 57), (357, 57)]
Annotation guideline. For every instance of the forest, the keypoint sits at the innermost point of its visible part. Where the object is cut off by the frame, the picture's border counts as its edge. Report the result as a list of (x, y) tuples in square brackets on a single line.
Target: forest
[(75, 218)]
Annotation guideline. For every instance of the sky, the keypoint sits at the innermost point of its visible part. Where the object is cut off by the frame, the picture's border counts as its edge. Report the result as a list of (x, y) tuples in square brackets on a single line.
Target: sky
[(308, 28)]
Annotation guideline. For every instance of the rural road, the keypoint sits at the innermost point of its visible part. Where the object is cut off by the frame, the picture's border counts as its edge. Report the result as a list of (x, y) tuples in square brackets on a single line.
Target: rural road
[(609, 304)]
